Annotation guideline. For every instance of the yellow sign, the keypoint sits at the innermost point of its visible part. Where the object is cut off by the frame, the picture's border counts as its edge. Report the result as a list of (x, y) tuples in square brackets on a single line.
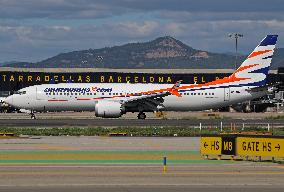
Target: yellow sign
[(272, 147), (211, 145)]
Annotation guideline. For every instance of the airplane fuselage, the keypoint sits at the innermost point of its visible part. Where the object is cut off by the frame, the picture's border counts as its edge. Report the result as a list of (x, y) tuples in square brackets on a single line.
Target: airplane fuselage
[(83, 97)]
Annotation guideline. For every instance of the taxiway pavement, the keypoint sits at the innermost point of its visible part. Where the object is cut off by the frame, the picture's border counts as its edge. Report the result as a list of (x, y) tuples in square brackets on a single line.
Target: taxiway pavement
[(142, 177)]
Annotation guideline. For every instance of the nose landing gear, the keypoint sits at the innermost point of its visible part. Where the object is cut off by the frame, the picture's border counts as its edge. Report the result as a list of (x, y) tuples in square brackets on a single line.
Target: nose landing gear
[(141, 115)]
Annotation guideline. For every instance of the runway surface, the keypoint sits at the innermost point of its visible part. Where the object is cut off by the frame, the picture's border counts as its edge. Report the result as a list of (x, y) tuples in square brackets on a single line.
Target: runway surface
[(136, 122), (126, 165)]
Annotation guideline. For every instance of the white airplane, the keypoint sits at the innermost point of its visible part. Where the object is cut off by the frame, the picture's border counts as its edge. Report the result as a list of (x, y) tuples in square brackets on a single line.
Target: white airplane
[(112, 100)]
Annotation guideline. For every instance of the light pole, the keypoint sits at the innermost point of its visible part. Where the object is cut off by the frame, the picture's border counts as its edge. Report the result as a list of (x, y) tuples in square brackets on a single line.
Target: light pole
[(236, 36)]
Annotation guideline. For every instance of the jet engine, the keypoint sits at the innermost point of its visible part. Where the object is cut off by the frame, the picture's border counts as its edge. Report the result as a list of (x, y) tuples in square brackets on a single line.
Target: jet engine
[(109, 109)]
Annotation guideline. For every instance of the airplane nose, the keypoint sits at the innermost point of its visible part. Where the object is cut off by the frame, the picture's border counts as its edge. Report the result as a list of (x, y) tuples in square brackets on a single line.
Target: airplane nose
[(9, 100)]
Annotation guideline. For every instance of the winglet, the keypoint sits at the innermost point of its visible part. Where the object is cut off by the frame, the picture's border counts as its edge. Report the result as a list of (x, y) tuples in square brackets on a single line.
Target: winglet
[(177, 84), (174, 89)]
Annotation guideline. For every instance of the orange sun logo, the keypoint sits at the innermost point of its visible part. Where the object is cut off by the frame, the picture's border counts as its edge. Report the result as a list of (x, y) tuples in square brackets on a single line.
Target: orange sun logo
[(94, 89)]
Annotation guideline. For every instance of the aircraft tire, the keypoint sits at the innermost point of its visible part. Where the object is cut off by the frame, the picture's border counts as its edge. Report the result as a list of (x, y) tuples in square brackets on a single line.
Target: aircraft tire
[(141, 116)]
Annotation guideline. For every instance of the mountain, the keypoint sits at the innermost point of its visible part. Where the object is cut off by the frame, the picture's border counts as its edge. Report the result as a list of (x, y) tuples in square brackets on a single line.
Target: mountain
[(163, 52), (8, 63)]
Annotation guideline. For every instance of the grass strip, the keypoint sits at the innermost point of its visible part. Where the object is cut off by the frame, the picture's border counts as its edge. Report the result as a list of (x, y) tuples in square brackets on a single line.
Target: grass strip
[(158, 131)]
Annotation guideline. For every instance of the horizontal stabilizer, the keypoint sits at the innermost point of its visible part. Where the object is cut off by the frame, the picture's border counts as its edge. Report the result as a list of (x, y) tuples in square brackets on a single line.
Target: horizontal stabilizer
[(266, 88)]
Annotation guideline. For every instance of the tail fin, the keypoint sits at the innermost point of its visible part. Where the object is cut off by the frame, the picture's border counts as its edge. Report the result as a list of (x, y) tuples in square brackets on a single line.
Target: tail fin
[(254, 69)]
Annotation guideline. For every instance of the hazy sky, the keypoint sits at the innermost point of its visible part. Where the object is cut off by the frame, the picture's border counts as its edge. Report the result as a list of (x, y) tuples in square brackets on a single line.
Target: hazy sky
[(32, 30)]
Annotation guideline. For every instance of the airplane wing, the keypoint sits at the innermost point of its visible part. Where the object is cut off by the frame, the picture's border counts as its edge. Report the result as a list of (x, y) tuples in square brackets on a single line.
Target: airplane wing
[(152, 100)]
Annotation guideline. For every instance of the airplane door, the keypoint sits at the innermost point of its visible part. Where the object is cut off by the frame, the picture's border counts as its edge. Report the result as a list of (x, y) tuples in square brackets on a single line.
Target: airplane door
[(226, 94)]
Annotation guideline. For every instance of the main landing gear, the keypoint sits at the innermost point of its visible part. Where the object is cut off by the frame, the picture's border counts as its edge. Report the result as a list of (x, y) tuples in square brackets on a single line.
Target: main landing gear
[(141, 115), (32, 115)]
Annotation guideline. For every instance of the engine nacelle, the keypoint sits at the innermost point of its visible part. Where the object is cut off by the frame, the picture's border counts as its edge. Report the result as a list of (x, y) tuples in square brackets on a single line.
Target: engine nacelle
[(108, 109)]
